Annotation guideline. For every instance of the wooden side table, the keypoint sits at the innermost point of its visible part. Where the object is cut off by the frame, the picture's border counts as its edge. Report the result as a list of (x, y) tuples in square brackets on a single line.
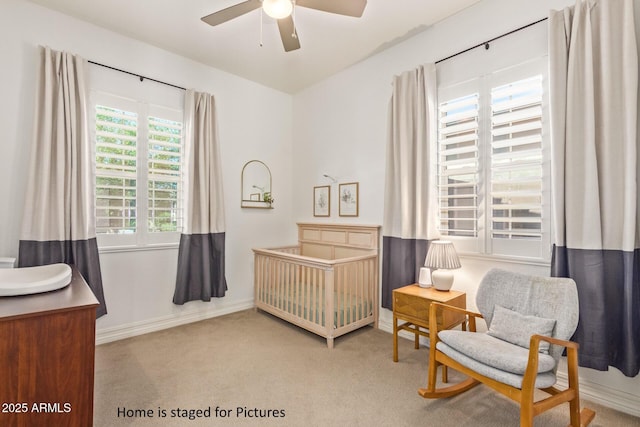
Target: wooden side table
[(411, 304)]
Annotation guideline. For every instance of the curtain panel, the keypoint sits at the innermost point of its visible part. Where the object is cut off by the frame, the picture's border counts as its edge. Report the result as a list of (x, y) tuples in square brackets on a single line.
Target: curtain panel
[(594, 107), (59, 213), (411, 209), (201, 256)]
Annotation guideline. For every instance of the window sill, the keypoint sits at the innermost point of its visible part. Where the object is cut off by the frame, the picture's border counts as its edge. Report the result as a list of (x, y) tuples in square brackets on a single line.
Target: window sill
[(506, 259), (136, 248)]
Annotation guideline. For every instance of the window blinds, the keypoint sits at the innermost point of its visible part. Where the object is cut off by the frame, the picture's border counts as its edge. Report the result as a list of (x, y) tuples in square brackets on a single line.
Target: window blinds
[(515, 163), (116, 170), (458, 166), (165, 175), (128, 159), (516, 160)]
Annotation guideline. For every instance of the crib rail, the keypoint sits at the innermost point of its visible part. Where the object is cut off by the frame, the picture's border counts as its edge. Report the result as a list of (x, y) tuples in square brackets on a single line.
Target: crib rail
[(327, 297)]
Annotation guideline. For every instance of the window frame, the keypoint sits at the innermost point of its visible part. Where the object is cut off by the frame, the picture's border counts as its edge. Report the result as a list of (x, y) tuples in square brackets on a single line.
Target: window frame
[(484, 244), (142, 238)]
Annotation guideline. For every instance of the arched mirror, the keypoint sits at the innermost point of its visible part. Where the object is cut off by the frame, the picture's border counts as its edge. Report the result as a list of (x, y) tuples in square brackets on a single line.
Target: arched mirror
[(256, 186)]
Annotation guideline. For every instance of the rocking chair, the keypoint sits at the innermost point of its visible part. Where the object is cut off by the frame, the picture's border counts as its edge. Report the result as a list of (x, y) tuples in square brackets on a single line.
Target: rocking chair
[(530, 321)]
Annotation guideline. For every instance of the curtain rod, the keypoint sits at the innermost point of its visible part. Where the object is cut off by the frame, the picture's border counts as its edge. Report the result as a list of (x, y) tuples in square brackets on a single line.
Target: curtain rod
[(486, 44), (142, 78)]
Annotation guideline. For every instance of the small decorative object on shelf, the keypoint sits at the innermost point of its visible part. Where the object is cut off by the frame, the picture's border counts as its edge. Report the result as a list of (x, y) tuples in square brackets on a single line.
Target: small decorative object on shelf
[(425, 278)]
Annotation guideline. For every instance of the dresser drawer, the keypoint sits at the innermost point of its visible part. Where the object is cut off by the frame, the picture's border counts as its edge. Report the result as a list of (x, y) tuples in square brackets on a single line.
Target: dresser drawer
[(413, 304)]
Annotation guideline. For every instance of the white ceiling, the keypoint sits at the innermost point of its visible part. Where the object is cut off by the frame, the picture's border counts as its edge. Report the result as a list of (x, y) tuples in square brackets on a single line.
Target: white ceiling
[(329, 42)]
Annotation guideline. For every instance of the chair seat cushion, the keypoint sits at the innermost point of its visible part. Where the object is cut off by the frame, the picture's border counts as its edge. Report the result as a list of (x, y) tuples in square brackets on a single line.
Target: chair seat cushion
[(494, 352), (543, 380)]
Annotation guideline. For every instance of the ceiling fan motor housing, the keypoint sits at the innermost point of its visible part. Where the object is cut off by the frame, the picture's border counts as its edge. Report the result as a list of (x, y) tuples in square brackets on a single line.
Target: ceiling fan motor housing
[(277, 9)]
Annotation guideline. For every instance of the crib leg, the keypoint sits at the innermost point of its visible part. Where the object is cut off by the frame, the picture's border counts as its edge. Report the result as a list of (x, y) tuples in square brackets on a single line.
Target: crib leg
[(330, 343)]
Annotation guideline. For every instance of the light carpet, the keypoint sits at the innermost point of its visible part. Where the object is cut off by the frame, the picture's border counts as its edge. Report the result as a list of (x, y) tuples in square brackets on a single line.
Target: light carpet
[(252, 369)]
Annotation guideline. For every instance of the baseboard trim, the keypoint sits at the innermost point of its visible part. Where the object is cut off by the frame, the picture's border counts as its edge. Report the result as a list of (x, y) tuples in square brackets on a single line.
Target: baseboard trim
[(129, 330), (589, 390), (605, 396)]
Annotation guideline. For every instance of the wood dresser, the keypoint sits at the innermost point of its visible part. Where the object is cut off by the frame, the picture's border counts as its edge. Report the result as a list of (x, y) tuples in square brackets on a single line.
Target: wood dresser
[(47, 349)]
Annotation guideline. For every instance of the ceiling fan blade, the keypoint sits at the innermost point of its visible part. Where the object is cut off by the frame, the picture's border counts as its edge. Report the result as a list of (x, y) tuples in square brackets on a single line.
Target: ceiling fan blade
[(231, 12), (288, 34), (341, 7)]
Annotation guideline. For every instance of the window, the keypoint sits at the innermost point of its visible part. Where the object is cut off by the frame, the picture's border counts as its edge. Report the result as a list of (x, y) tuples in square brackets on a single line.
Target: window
[(458, 166), (116, 170), (138, 155), (516, 160), (492, 163)]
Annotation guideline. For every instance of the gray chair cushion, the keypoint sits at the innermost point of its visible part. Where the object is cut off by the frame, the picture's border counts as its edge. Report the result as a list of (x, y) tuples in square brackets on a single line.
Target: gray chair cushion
[(546, 297), (543, 380), (493, 352), (517, 328)]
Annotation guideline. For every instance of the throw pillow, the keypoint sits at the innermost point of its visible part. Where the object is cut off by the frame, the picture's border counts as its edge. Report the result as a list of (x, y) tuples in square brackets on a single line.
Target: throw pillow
[(516, 328)]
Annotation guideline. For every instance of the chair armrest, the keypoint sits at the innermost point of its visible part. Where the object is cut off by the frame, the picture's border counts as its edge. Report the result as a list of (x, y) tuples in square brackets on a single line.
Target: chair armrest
[(535, 342), (433, 316), (532, 364), (434, 306)]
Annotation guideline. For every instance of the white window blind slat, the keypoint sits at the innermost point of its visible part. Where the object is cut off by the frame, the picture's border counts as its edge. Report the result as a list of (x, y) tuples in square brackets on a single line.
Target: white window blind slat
[(516, 114)]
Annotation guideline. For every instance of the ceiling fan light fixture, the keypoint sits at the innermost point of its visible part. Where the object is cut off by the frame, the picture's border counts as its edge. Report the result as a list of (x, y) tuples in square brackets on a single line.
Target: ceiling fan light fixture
[(277, 9)]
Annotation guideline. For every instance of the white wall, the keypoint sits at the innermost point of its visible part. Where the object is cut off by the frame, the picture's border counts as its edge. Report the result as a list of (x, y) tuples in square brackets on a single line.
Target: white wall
[(340, 128), (254, 123)]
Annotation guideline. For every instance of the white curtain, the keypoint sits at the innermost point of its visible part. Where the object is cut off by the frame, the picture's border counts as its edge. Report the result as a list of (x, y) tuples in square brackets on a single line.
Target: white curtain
[(594, 106), (201, 258), (59, 214), (411, 206)]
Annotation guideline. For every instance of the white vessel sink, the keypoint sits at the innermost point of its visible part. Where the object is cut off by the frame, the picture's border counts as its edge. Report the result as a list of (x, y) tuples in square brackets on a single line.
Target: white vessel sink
[(33, 280)]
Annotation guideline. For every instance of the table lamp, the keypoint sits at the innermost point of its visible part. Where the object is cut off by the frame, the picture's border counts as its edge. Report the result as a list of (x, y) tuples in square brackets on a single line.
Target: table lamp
[(441, 259)]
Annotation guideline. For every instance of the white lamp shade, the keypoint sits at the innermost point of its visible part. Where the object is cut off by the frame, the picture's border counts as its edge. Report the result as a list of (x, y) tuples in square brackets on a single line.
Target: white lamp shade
[(277, 9), (442, 254)]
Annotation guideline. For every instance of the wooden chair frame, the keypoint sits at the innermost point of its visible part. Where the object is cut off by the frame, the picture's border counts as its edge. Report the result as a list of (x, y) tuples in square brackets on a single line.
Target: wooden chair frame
[(525, 396)]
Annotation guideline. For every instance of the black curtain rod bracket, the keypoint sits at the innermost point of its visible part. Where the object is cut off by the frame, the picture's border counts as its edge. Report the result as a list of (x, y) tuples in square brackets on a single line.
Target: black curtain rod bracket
[(142, 78)]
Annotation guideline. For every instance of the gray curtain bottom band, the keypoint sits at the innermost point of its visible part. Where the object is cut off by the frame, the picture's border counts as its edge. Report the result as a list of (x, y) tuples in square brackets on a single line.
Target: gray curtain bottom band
[(81, 253), (609, 292), (401, 262), (201, 268)]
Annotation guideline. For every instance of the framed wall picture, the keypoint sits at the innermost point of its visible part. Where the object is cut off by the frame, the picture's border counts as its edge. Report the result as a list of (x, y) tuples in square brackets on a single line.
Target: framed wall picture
[(322, 200), (348, 205)]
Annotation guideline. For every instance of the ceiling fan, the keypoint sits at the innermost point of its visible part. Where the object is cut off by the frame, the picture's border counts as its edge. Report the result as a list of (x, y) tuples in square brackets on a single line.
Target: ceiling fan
[(282, 11)]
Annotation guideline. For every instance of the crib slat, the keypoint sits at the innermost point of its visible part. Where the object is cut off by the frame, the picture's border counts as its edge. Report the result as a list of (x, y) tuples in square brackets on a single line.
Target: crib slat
[(300, 297), (345, 300), (283, 285), (329, 309)]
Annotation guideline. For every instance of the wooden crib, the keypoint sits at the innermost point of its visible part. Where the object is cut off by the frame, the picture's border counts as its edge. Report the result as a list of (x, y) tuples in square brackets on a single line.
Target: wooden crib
[(331, 274)]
